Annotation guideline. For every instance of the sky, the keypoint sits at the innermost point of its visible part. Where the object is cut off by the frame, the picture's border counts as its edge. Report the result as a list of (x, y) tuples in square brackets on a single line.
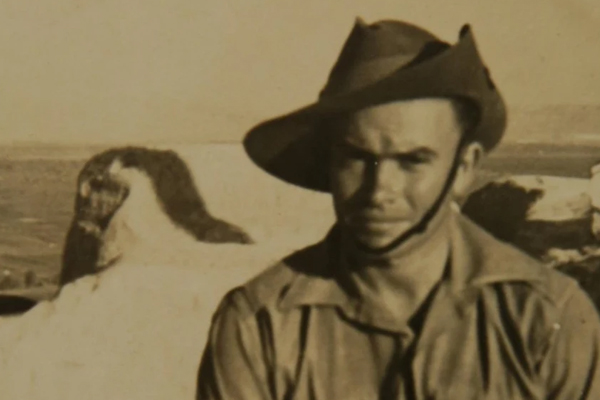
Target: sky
[(83, 71)]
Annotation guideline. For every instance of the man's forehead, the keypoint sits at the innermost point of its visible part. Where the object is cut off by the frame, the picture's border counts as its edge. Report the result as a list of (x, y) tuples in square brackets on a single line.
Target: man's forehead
[(403, 125), (418, 112)]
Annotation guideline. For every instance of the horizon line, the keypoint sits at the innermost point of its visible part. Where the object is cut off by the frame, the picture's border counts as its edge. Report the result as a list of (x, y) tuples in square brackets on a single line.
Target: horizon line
[(29, 143)]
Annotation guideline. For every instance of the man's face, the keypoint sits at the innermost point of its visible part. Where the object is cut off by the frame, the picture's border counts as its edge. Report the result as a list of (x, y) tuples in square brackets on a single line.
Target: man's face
[(389, 165)]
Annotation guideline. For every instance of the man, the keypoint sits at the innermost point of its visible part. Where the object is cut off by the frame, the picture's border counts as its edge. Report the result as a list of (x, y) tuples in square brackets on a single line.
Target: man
[(404, 298)]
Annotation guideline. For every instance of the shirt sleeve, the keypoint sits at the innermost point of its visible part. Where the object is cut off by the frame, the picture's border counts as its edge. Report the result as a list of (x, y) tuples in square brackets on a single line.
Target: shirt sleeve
[(571, 368), (232, 367)]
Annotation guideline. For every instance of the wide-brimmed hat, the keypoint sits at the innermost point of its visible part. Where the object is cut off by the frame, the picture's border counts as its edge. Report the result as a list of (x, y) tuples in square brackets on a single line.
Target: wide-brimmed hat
[(382, 62)]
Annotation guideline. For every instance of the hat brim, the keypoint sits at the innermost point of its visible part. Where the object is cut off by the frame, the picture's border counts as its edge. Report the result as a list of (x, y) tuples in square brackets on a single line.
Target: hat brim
[(291, 147)]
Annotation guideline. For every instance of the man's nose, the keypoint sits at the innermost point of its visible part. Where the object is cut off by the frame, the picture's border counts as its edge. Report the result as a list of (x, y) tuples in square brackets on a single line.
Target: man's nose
[(387, 181)]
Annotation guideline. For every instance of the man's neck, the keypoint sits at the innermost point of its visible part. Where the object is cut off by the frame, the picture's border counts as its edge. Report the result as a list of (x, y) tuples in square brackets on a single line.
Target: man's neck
[(401, 279)]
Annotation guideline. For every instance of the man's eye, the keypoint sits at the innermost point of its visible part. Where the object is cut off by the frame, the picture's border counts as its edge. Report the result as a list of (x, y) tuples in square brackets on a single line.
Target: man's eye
[(412, 160), (349, 155), (355, 154)]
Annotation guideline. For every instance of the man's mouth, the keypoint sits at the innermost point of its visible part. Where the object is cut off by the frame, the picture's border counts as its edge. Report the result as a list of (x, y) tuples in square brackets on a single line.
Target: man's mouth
[(376, 224), (367, 218)]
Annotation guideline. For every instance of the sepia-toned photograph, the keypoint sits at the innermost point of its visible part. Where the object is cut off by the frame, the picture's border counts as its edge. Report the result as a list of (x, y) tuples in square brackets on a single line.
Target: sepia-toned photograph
[(300, 200)]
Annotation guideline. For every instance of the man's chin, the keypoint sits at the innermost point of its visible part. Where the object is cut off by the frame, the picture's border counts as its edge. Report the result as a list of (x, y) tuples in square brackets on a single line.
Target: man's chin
[(374, 244), (377, 240)]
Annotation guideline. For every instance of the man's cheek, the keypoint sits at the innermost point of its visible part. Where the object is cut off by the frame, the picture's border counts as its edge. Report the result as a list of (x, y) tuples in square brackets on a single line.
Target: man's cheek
[(422, 194), (348, 179)]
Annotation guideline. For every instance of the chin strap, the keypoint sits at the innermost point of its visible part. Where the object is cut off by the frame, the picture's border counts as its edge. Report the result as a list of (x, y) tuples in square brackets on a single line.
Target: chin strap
[(422, 225)]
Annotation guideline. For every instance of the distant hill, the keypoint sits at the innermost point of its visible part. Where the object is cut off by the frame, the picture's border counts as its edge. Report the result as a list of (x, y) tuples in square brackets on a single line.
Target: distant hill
[(552, 123), (47, 151), (558, 158), (549, 149), (542, 130)]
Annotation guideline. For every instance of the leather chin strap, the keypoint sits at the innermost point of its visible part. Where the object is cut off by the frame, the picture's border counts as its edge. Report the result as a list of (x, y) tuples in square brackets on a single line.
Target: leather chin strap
[(422, 225)]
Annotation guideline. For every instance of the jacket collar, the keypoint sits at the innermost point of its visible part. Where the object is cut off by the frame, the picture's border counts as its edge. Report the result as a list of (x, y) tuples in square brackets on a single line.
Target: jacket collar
[(476, 259)]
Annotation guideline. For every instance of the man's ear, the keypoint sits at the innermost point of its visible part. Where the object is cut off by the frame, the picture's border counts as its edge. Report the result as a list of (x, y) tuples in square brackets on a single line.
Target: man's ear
[(470, 158)]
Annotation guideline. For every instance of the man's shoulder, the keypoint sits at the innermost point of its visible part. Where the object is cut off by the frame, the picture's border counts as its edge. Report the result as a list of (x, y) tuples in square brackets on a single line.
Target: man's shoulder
[(266, 289), (528, 280), (523, 297), (507, 270), (544, 285)]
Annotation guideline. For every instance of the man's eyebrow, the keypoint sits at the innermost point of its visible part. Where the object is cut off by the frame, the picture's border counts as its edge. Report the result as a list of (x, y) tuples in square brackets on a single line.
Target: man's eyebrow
[(421, 151), (348, 146)]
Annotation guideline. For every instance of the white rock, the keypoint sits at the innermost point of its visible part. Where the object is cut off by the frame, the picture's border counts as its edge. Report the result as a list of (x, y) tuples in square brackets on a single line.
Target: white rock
[(138, 329), (563, 198)]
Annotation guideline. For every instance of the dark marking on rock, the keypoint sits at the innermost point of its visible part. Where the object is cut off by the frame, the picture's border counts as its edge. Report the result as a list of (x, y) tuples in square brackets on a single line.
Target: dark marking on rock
[(15, 305), (175, 189), (501, 208)]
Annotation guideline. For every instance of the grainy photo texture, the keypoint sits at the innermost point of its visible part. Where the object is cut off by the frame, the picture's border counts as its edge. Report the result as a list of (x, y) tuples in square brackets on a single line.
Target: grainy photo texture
[(277, 200)]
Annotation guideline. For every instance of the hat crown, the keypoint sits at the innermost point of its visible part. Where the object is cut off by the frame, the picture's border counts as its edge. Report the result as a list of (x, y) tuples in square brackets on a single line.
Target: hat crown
[(373, 51), (380, 63), (383, 39)]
